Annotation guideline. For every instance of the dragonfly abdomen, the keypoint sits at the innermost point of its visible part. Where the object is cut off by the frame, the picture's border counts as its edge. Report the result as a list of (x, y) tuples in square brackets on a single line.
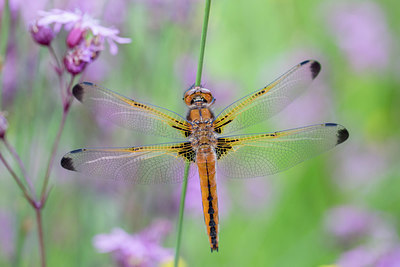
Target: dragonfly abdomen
[(206, 161)]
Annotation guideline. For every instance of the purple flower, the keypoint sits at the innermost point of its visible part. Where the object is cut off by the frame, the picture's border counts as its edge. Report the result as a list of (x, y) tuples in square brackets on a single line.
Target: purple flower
[(75, 37), (348, 222), (362, 33), (390, 259), (78, 21), (358, 257), (141, 249), (7, 233), (166, 10), (41, 34), (76, 59), (3, 125), (361, 165)]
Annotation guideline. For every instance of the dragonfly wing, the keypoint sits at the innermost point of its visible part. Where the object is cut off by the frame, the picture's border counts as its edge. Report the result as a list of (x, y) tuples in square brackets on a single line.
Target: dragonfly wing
[(266, 102), (163, 163), (247, 156), (144, 118)]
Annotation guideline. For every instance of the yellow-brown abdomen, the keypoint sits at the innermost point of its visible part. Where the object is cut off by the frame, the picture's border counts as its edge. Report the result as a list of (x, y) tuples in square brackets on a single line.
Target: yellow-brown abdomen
[(206, 161)]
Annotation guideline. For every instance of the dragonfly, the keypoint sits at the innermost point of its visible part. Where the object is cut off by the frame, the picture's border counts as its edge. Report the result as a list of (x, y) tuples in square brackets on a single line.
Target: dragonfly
[(205, 142)]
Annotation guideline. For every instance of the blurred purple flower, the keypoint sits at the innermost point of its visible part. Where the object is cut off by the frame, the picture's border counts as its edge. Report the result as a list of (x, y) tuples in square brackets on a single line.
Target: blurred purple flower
[(141, 249), (193, 202), (362, 33), (361, 166), (169, 10), (258, 194), (3, 125), (358, 257), (78, 20), (7, 232), (348, 222), (75, 37), (390, 259), (41, 34), (351, 223)]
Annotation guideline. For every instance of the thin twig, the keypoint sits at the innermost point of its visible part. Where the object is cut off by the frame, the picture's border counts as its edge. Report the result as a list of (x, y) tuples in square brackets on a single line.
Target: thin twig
[(40, 235), (67, 104), (54, 55), (18, 181), (25, 175), (181, 210)]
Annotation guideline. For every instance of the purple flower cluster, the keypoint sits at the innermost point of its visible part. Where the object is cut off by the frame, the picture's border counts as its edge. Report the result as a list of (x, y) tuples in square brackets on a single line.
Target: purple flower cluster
[(362, 33), (85, 39), (142, 249), (372, 238)]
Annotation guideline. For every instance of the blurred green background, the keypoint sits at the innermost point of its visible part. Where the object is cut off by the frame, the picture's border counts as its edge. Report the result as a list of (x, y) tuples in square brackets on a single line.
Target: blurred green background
[(280, 220)]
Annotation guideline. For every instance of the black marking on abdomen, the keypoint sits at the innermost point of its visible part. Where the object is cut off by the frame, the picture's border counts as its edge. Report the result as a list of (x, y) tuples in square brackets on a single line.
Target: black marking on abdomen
[(212, 224)]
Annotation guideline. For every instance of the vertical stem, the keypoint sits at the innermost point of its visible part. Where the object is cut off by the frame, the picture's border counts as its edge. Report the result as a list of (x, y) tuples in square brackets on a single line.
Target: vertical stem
[(4, 31), (198, 83), (203, 42), (40, 234), (181, 210), (67, 103)]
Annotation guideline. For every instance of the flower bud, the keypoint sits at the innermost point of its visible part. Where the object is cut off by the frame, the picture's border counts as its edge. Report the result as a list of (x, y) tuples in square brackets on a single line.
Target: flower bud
[(73, 64), (74, 37), (3, 125), (41, 34)]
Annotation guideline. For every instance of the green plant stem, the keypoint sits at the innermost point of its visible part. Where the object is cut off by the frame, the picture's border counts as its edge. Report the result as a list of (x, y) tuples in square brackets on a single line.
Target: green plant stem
[(181, 210), (14, 153), (18, 181), (198, 83), (203, 42), (40, 235), (66, 107), (4, 30)]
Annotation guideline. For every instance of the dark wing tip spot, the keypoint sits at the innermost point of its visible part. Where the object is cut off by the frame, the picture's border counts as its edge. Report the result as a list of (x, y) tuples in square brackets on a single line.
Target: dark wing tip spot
[(76, 151), (315, 69), (78, 91), (342, 135), (66, 163)]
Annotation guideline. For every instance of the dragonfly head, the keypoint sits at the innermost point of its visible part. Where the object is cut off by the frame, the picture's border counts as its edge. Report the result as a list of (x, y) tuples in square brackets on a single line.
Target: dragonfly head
[(198, 96)]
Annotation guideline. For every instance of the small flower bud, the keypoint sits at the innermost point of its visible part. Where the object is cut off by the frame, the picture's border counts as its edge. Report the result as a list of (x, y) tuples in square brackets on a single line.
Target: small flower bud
[(3, 125), (73, 64), (41, 34), (74, 37)]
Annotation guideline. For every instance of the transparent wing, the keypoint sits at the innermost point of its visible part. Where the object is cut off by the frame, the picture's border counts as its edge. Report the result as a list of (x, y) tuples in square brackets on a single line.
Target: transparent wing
[(144, 118), (163, 163), (266, 102), (247, 156)]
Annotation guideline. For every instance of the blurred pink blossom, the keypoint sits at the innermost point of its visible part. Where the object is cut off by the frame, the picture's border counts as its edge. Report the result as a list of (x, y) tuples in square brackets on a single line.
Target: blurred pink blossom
[(41, 34), (361, 31), (361, 165), (141, 249), (390, 259), (79, 20), (348, 222)]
